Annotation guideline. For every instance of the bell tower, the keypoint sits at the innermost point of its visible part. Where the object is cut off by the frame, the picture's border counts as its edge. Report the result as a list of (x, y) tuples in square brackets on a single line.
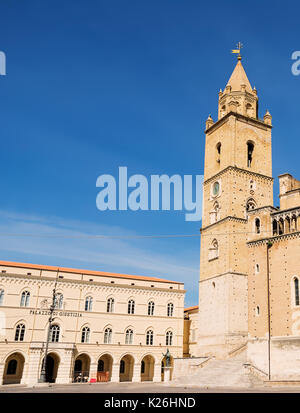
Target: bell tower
[(237, 178)]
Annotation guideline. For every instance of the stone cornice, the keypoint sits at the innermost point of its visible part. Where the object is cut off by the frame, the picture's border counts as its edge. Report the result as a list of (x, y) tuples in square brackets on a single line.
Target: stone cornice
[(283, 211), (256, 122), (88, 284), (229, 218), (292, 191), (235, 168), (268, 207), (276, 238), (224, 273)]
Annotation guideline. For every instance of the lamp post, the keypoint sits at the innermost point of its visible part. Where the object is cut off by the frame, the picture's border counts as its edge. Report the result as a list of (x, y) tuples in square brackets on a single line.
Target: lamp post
[(43, 378)]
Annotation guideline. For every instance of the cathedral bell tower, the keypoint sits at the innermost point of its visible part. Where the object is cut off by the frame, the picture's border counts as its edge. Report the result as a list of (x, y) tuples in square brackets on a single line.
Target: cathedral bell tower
[(237, 178)]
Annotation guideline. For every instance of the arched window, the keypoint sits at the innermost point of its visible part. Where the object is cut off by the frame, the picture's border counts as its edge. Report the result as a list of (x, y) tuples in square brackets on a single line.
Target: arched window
[(257, 226), (257, 310), (257, 268), (251, 204), (296, 289), (249, 110), (142, 367), (151, 307), (131, 305), (122, 366), (169, 338), (12, 367), (250, 149), (129, 336), (107, 335), (88, 305), (59, 298), (85, 335), (20, 332), (110, 308), (294, 223), (170, 309), (149, 338), (100, 365), (218, 147), (54, 333), (223, 111), (78, 366), (280, 226), (287, 224), (215, 213), (275, 227), (213, 250), (25, 299), (1, 296)]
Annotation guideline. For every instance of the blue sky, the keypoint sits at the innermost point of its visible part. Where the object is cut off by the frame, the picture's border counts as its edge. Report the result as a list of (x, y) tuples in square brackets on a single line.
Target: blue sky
[(95, 85)]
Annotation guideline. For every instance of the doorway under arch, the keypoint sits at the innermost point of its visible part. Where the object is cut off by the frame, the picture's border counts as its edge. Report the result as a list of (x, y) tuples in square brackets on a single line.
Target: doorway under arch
[(147, 368), (126, 368), (82, 368), (52, 363), (104, 368), (13, 369)]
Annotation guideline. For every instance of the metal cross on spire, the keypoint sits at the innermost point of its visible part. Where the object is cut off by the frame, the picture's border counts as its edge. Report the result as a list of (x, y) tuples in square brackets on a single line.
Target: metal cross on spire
[(238, 50)]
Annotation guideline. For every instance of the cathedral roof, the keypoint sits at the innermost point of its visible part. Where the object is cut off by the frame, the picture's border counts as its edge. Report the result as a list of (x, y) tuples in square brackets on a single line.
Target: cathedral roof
[(239, 78)]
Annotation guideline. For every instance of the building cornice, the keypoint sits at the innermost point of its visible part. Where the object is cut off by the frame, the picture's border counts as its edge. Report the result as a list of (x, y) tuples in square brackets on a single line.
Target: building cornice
[(235, 168), (82, 272), (224, 273), (221, 221), (268, 207), (283, 211), (88, 284), (220, 122), (276, 238)]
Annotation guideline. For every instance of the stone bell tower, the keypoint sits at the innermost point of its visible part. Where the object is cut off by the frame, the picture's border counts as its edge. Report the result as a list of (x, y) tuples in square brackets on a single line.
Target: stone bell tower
[(237, 178)]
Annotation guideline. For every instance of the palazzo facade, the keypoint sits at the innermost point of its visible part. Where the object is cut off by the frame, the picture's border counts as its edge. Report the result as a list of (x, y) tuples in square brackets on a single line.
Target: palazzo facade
[(106, 326)]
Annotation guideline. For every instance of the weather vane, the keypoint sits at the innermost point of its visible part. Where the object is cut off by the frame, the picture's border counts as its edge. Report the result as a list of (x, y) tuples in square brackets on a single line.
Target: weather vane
[(238, 50)]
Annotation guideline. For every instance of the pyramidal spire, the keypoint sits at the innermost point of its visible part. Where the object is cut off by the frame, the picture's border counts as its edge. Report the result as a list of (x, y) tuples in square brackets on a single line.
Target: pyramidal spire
[(238, 95), (239, 78)]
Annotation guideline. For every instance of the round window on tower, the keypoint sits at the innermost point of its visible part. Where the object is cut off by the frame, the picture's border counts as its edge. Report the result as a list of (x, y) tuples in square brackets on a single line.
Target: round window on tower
[(216, 188)]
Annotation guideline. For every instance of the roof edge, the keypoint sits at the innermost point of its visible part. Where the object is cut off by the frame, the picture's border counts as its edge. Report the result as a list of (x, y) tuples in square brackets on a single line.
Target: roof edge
[(87, 272)]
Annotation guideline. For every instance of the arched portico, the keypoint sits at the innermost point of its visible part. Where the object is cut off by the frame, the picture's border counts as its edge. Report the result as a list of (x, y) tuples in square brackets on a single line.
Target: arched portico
[(81, 368), (104, 367), (126, 368), (52, 363), (13, 369), (147, 368)]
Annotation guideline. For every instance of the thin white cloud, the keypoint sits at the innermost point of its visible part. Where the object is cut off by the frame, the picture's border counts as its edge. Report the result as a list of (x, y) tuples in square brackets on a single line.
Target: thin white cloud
[(67, 241)]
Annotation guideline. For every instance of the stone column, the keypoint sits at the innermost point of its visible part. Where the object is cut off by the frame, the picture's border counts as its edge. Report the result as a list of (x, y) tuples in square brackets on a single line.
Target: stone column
[(93, 371), (167, 374), (136, 376), (157, 372), (65, 368), (2, 365), (32, 373), (115, 373)]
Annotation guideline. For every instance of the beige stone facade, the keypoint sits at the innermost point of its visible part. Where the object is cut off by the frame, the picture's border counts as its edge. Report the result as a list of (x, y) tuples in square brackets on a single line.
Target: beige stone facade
[(274, 271), (237, 177), (250, 250), (106, 326), (190, 330)]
